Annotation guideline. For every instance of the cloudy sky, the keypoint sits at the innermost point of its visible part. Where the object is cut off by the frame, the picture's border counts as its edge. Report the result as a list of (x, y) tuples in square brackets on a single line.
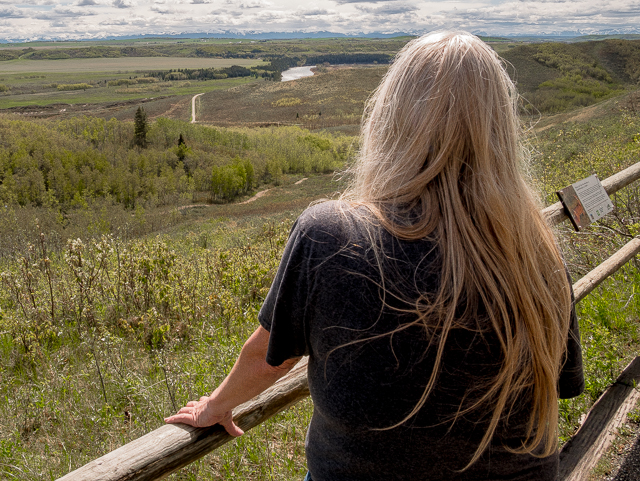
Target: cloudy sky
[(33, 19)]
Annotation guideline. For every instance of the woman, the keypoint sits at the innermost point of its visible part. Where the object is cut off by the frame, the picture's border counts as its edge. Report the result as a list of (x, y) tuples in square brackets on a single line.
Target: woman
[(432, 300)]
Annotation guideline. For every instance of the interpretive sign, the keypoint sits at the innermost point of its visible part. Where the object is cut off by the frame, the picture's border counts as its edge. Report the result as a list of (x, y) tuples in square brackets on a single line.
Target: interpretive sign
[(586, 201)]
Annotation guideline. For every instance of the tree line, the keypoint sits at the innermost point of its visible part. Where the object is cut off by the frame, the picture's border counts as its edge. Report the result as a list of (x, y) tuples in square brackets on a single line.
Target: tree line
[(272, 70), (64, 163), (382, 58)]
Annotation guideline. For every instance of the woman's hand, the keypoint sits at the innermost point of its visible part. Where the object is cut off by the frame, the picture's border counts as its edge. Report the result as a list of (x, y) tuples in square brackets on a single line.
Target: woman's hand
[(250, 375), (203, 413)]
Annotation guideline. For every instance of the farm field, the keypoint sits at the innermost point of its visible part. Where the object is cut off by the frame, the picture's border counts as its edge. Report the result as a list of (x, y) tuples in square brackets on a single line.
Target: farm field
[(552, 78), (119, 65), (38, 98), (76, 82)]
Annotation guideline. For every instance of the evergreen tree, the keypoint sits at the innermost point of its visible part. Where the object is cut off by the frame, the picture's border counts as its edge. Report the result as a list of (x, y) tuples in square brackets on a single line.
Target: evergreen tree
[(182, 149), (140, 128)]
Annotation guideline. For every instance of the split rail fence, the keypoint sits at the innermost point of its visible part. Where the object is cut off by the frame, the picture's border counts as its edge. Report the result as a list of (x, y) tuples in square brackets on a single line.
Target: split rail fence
[(171, 447)]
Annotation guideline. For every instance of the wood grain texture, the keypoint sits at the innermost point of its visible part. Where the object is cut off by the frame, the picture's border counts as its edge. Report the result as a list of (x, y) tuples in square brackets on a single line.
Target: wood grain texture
[(555, 214), (172, 446), (589, 282), (581, 454)]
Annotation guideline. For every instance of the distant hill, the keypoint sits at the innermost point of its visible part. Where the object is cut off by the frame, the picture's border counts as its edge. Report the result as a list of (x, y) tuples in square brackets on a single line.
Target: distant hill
[(555, 77), (228, 34), (552, 77)]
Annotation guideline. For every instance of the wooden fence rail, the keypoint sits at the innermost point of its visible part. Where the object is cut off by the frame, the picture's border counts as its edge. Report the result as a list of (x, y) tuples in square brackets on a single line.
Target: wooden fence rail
[(171, 447), (581, 453)]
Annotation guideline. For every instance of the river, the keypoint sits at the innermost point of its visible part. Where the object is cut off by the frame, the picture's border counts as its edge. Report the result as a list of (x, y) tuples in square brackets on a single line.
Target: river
[(296, 73)]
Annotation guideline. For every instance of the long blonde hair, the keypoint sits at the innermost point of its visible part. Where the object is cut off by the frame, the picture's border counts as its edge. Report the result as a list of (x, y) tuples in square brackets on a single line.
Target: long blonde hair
[(440, 145)]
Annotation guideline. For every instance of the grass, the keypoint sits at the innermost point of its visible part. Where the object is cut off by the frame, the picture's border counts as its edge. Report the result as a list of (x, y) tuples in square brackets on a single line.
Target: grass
[(553, 77), (170, 304), (41, 89), (89, 387), (603, 141), (333, 99), (119, 65), (95, 383)]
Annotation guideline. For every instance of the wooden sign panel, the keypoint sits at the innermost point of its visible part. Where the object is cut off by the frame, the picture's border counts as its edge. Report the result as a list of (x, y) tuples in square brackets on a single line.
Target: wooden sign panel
[(586, 201)]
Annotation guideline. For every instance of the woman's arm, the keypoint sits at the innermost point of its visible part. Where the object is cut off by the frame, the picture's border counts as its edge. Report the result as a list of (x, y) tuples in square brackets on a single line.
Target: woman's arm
[(249, 376)]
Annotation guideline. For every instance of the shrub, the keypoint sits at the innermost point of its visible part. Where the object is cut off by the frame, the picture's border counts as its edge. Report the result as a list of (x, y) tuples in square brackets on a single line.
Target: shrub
[(80, 86), (287, 102)]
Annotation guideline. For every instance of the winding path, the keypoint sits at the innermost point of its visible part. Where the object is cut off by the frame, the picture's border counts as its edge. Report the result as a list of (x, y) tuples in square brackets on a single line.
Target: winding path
[(193, 107), (255, 197)]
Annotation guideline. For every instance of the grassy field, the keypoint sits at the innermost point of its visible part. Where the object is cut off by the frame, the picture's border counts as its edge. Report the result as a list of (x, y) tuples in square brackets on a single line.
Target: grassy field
[(150, 370), (552, 77), (127, 65), (333, 99), (42, 91), (167, 313)]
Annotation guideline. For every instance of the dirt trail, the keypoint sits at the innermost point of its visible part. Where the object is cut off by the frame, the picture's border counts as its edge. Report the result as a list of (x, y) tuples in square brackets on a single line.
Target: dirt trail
[(193, 107), (255, 197)]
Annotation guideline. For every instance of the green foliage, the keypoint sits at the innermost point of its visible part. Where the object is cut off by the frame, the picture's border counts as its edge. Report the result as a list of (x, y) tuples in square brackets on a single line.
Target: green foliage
[(140, 128), (564, 154), (573, 151), (72, 164), (229, 181), (609, 327), (4, 88), (569, 60), (133, 330), (554, 77), (317, 142), (623, 57), (122, 81), (80, 86), (8, 54)]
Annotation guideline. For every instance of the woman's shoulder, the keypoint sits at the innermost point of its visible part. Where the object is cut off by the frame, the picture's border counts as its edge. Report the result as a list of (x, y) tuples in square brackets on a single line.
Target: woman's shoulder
[(333, 225), (334, 215)]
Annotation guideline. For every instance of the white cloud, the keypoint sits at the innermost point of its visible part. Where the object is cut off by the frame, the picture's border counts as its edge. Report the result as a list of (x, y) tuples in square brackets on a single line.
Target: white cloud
[(72, 12), (27, 2), (11, 13), (78, 18), (342, 2), (388, 9)]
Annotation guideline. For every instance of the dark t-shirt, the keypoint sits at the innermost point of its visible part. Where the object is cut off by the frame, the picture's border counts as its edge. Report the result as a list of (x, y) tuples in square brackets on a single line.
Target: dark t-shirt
[(328, 301)]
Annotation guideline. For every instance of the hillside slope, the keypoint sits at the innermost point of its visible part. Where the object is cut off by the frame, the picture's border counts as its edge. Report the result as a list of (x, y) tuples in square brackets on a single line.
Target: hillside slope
[(333, 99), (555, 77)]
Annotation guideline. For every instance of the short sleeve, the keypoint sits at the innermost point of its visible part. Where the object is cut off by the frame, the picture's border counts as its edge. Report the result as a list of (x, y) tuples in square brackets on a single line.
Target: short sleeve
[(571, 381), (283, 311)]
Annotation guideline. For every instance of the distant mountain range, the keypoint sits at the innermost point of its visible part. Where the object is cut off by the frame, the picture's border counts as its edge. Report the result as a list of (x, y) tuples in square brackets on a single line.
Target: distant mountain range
[(558, 36)]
